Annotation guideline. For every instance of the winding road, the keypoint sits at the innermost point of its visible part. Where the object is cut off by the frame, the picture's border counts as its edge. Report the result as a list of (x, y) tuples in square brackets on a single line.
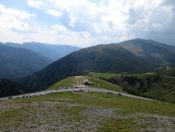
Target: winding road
[(76, 89)]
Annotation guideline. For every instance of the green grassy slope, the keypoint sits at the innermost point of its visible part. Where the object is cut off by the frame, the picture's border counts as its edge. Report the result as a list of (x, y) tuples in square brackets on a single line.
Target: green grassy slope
[(125, 105), (159, 85), (85, 112), (163, 90), (68, 82), (104, 75), (167, 72), (99, 83), (116, 75), (78, 80)]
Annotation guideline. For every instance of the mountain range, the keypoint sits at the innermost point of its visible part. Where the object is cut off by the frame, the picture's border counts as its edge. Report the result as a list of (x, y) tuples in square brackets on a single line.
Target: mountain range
[(136, 55), (20, 60), (153, 51), (37, 62), (50, 51)]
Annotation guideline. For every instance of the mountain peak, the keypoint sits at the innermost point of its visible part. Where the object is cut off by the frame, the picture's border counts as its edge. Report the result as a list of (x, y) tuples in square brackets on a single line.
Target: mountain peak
[(100, 58)]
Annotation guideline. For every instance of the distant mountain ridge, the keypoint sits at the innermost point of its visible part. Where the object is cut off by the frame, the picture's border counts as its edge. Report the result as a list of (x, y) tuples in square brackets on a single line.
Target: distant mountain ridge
[(51, 51), (19, 62), (100, 58), (156, 52)]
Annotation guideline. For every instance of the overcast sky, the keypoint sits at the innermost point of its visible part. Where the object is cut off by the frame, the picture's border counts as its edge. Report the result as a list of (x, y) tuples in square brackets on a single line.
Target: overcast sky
[(86, 22)]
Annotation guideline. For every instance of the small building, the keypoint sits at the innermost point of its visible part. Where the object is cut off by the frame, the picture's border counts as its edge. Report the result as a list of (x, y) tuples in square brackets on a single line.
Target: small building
[(87, 82)]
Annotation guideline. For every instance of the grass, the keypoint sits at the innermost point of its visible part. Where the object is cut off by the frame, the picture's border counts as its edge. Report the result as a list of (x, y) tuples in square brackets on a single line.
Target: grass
[(115, 75), (72, 113), (104, 84), (13, 117), (163, 90), (78, 80), (6, 116), (70, 81), (104, 75), (126, 105), (36, 113), (67, 108), (160, 92), (167, 72), (113, 125)]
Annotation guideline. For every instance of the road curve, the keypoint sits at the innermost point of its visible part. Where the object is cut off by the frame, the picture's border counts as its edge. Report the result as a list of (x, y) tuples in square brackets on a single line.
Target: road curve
[(79, 89)]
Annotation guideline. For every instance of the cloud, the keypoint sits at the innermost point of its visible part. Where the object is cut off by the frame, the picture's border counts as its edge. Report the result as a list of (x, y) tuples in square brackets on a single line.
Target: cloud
[(35, 3), (93, 22), (65, 35), (13, 19), (54, 13)]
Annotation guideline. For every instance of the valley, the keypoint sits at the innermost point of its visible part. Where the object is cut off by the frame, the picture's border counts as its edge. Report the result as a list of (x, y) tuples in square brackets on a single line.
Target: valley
[(19, 60), (69, 105), (100, 88), (87, 66)]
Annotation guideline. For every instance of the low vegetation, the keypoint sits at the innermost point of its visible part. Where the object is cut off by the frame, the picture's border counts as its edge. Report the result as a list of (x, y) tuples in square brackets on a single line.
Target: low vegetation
[(78, 80), (159, 85), (69, 111), (100, 112), (10, 88), (99, 83)]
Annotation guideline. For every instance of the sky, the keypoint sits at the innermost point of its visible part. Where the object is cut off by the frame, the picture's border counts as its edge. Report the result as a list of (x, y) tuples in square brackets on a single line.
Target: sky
[(86, 22)]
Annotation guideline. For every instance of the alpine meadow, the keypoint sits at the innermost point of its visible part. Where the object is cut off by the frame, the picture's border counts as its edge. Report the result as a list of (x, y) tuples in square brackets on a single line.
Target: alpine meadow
[(87, 66)]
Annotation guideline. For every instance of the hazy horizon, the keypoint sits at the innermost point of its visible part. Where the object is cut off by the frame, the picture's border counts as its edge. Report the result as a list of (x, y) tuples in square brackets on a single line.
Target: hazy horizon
[(74, 45)]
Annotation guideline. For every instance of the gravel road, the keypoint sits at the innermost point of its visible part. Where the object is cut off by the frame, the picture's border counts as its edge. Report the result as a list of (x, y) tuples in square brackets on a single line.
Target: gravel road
[(76, 89)]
